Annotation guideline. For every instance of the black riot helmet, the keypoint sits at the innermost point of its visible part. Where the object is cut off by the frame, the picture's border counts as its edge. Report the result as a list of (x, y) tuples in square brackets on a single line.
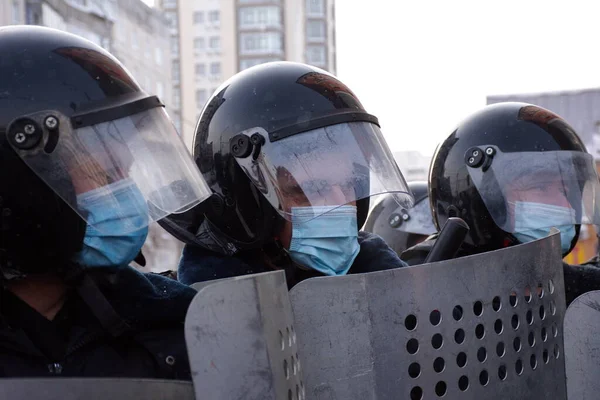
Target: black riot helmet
[(75, 125), (512, 171), (400, 227), (276, 136)]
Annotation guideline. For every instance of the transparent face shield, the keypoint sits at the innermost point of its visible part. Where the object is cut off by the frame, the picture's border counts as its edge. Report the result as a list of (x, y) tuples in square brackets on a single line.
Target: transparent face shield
[(136, 164), (323, 169), (418, 219), (525, 191)]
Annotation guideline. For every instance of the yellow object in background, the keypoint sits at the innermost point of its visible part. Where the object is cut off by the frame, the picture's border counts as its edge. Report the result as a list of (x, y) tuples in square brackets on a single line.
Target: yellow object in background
[(586, 248)]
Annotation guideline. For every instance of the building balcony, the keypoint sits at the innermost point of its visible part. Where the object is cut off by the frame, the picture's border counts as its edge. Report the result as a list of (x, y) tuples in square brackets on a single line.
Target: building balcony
[(273, 27), (261, 53), (316, 40)]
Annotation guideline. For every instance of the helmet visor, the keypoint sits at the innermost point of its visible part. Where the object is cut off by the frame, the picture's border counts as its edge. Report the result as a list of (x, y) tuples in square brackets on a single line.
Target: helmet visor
[(419, 220), (131, 165), (538, 190), (325, 168)]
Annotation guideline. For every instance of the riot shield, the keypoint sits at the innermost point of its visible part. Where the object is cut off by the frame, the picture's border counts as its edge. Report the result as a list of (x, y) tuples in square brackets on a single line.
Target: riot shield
[(94, 389), (582, 341), (201, 285), (242, 342), (485, 326)]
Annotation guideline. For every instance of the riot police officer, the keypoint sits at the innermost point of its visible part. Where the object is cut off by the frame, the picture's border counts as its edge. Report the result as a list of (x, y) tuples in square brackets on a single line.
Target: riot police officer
[(88, 160), (512, 171), (292, 158), (402, 228)]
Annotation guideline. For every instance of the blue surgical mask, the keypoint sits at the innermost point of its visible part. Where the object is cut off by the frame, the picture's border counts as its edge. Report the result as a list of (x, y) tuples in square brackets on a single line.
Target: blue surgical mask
[(532, 220), (117, 225), (327, 243)]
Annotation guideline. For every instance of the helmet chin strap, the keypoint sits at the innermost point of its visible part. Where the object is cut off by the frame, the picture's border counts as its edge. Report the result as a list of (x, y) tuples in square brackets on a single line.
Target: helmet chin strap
[(91, 294)]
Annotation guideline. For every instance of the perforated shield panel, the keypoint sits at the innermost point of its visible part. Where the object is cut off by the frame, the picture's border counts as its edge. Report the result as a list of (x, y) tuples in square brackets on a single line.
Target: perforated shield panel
[(582, 346), (485, 326), (94, 389), (241, 340)]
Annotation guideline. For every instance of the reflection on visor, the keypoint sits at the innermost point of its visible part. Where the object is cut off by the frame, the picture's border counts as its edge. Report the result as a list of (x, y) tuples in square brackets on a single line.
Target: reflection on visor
[(143, 150), (533, 190), (325, 167)]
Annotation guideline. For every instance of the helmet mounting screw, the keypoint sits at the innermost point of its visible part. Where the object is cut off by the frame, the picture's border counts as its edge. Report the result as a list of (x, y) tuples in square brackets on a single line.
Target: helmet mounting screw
[(395, 220), (20, 137), (29, 129), (240, 146), (51, 122), (474, 157)]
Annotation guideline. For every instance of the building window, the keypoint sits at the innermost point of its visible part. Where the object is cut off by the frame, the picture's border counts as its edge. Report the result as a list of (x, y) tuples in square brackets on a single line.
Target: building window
[(158, 55), (315, 8), (200, 70), (147, 52), (315, 55), (134, 40), (215, 69), (214, 43), (201, 97), (172, 18), (258, 17), (105, 43), (169, 3), (160, 90), (16, 12), (176, 98), (175, 46), (251, 62), (198, 17), (315, 30), (32, 16), (199, 44), (260, 43), (175, 73), (258, 1), (177, 124), (213, 17)]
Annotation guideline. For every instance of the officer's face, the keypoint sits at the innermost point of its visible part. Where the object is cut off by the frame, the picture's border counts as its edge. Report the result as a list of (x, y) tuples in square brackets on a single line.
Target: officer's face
[(292, 195), (536, 189), (87, 174)]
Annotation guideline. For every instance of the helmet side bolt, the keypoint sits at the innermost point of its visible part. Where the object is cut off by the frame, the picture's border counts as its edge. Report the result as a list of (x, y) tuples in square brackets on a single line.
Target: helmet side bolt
[(257, 139), (490, 151), (51, 122), (20, 137), (24, 133), (29, 129), (395, 220), (474, 157), (240, 146)]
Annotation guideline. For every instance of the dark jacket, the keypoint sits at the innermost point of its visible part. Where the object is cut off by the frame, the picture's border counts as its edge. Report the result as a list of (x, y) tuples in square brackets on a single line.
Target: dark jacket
[(199, 265), (147, 340), (579, 279)]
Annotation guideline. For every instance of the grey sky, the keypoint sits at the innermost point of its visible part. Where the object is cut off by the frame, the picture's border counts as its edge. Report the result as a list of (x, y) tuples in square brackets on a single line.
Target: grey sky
[(422, 66)]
